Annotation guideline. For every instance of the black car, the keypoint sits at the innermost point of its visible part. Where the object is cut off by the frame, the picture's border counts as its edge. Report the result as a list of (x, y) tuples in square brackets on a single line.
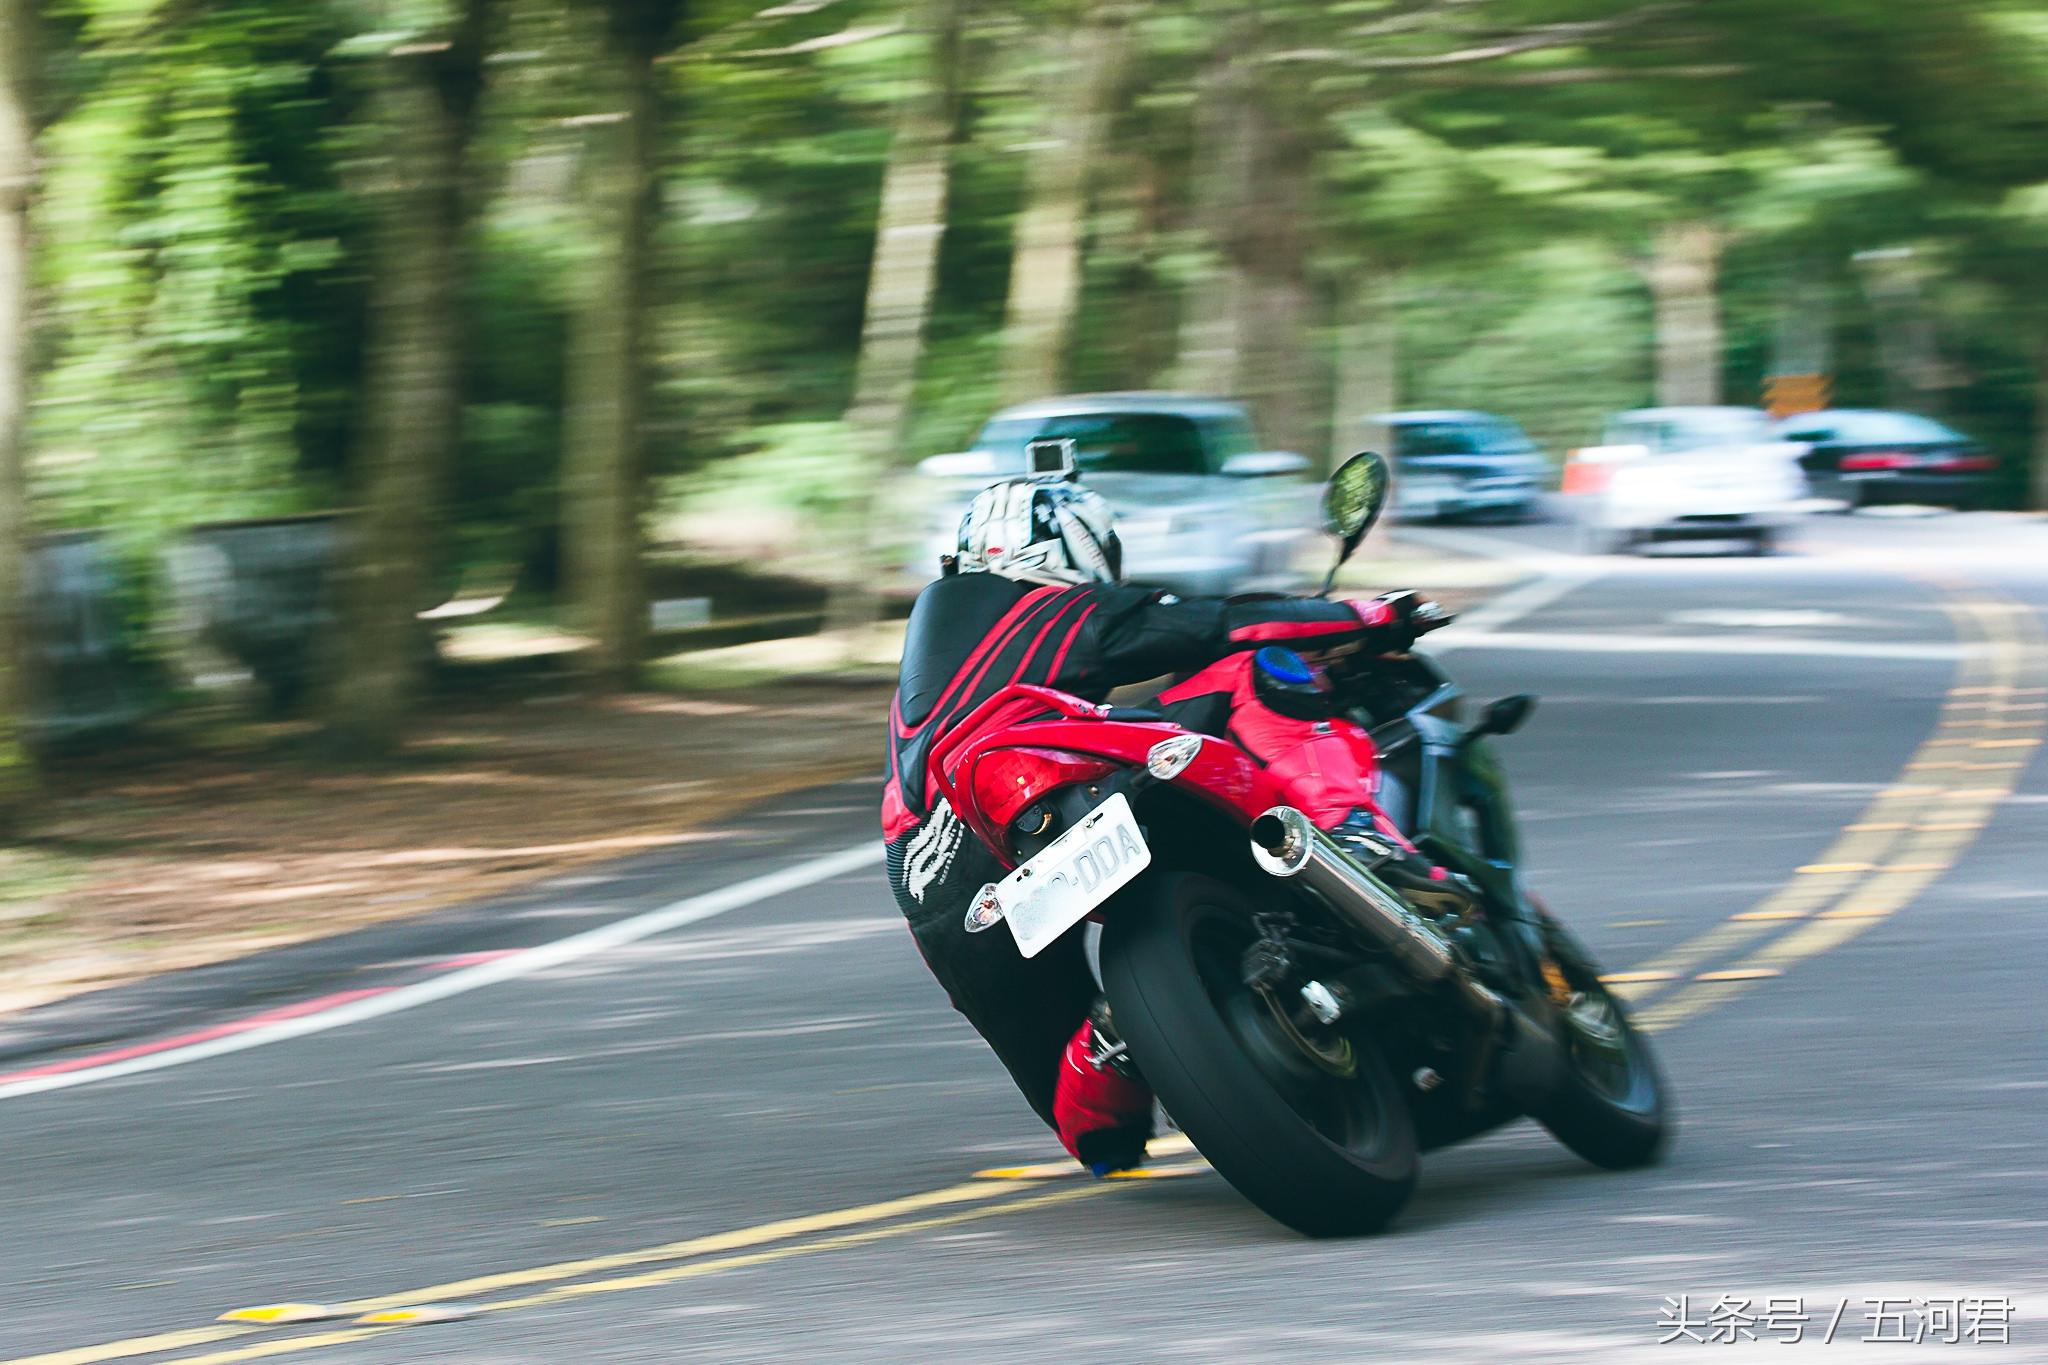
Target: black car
[(1462, 464), (1863, 456)]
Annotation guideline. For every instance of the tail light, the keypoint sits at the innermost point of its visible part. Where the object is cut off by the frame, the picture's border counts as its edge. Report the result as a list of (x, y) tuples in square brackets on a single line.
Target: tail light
[(1878, 459), (1965, 464), (1581, 476), (1006, 781), (1589, 469)]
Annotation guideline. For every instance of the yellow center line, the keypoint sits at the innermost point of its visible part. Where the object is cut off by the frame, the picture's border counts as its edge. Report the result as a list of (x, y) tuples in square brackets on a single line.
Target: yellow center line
[(134, 1346), (1848, 891), (284, 1346), (782, 1229), (647, 1279), (973, 1191), (1934, 847)]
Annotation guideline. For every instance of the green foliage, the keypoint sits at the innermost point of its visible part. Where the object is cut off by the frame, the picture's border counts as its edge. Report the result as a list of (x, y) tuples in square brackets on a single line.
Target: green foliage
[(195, 261), (204, 266), (1557, 337)]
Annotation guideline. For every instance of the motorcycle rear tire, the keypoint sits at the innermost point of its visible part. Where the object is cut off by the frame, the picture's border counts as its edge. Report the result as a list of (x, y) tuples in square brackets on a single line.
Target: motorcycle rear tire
[(1186, 1028)]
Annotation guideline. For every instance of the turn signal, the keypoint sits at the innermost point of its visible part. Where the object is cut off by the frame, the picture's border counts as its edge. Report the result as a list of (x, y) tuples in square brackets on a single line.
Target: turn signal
[(1169, 758)]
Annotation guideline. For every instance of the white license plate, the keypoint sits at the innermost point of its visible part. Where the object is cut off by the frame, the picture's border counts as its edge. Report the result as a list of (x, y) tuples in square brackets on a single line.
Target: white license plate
[(1072, 875)]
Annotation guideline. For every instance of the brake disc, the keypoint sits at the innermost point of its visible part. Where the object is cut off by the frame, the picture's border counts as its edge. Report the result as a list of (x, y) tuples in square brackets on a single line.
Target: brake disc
[(1330, 1054)]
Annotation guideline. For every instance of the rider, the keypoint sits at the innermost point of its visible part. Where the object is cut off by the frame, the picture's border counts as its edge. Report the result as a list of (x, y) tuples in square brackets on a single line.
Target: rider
[(1034, 595)]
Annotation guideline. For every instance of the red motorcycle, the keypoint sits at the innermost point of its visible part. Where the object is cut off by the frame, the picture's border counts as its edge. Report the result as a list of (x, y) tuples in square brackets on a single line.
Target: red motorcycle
[(1311, 1021)]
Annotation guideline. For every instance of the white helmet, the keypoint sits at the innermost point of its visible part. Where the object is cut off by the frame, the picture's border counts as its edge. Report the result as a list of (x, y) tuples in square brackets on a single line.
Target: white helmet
[(1041, 531)]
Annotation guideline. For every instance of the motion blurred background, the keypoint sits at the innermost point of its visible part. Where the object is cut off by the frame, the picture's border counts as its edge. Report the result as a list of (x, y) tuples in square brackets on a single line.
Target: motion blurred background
[(455, 384)]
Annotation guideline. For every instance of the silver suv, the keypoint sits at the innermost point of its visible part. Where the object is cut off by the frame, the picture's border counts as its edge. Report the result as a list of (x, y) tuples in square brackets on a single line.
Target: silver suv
[(1200, 507)]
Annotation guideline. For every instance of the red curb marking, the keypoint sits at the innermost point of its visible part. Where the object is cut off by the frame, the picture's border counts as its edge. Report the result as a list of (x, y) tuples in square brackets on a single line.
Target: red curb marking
[(472, 959), (277, 1016), (317, 1005)]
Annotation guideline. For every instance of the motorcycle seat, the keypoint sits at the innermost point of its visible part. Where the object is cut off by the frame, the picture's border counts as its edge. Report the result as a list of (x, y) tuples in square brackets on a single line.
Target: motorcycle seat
[(1208, 714)]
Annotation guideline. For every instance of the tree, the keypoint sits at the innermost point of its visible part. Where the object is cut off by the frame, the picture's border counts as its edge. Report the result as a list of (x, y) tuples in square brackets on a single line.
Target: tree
[(1281, 79), (604, 455), (1684, 274), (1247, 328), (910, 223), (1085, 72), (423, 91), (17, 180)]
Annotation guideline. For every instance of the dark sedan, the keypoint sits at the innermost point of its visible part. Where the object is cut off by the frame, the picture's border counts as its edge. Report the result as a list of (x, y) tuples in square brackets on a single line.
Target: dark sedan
[(1864, 456)]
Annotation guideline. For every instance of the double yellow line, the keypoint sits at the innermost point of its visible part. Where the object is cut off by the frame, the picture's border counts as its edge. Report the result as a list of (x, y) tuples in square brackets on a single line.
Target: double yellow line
[(568, 1281), (1914, 831), (1992, 722)]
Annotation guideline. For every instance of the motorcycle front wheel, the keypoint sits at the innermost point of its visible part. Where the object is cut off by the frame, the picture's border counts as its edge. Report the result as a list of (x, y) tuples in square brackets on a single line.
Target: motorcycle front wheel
[(1611, 1106), (1308, 1124)]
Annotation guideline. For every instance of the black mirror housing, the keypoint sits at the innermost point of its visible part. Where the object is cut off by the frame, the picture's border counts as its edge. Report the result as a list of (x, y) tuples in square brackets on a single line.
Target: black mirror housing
[(1352, 501), (1506, 715)]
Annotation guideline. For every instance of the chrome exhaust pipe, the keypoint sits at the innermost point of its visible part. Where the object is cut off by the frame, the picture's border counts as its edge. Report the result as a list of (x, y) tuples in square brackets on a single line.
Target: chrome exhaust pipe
[(1286, 843)]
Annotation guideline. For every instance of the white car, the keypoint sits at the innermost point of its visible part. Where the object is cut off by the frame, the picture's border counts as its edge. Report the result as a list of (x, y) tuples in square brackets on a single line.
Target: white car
[(1689, 473), (1200, 507)]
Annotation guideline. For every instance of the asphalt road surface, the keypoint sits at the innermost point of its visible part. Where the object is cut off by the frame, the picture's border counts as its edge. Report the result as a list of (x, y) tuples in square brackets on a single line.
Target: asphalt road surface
[(1795, 800)]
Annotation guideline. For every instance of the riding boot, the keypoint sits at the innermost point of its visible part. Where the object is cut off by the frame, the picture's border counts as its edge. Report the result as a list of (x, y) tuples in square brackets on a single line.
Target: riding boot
[(1103, 1107), (1434, 890)]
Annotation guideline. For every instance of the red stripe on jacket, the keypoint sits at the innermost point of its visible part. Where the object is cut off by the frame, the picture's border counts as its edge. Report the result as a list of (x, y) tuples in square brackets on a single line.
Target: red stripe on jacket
[(999, 635), (1068, 643)]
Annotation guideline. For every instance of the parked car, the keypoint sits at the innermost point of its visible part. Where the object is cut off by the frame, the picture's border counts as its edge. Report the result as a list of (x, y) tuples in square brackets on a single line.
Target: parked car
[(1201, 506), (1864, 456), (1453, 464), (1697, 473)]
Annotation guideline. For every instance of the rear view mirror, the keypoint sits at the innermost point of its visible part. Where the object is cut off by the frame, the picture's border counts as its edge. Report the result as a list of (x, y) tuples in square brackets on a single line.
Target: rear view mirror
[(1505, 716), (1352, 501)]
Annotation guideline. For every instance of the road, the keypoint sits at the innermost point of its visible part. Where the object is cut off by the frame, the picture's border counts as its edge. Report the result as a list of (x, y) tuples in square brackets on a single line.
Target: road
[(1795, 800)]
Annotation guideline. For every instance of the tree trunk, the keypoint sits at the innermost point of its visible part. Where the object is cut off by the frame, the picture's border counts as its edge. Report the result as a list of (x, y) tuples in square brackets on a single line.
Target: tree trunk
[(1145, 306), (1684, 276), (17, 179), (421, 99), (1045, 270), (1368, 369), (1895, 283), (1248, 329), (910, 224), (604, 472), (1211, 339)]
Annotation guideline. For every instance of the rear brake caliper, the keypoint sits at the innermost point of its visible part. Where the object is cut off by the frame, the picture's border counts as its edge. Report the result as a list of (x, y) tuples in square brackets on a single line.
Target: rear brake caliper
[(1268, 965), (1268, 961)]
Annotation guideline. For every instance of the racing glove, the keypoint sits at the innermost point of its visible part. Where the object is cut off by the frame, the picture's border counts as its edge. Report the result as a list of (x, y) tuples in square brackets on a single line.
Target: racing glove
[(1399, 619)]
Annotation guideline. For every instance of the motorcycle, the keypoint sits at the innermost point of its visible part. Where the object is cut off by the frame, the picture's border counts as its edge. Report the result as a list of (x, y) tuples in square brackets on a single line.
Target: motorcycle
[(1308, 1020)]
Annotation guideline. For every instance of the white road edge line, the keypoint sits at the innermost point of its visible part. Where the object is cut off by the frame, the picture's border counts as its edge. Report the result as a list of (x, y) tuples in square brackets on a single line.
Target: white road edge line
[(1509, 607), (525, 962), (1555, 576), (1588, 642)]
